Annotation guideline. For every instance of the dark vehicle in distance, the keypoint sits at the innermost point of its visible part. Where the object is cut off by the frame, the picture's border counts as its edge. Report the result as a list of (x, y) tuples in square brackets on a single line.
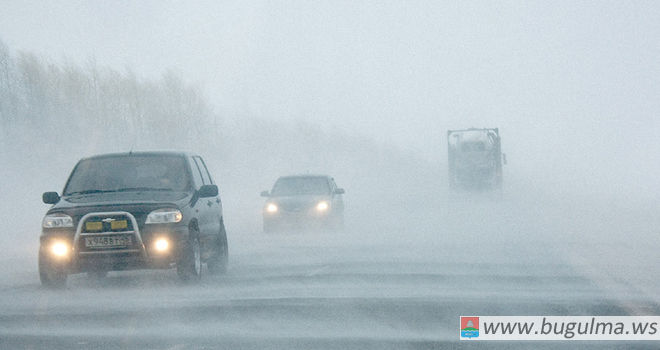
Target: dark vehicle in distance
[(128, 211), (303, 201), (475, 159)]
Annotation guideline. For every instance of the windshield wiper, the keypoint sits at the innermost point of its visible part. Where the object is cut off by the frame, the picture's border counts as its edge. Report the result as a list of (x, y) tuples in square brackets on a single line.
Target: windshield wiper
[(88, 192), (131, 189), (127, 189)]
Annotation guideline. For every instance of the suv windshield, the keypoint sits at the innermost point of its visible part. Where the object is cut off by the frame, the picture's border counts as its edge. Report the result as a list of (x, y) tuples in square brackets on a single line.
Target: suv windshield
[(291, 186), (128, 173)]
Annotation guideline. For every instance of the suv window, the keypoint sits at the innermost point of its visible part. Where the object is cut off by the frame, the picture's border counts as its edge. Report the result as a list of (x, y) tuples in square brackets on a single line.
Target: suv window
[(206, 177), (128, 172), (333, 185), (197, 173)]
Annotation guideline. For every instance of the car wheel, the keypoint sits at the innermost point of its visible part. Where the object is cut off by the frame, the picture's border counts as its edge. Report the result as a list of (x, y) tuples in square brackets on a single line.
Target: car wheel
[(217, 263), (269, 227), (189, 266), (334, 223), (97, 274), (339, 225), (339, 222), (51, 276)]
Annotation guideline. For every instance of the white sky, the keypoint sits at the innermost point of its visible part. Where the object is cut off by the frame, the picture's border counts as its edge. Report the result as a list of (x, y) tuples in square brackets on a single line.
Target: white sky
[(555, 76)]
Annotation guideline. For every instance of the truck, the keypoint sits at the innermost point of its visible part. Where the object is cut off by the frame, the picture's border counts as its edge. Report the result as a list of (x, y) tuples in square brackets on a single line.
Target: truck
[(475, 159)]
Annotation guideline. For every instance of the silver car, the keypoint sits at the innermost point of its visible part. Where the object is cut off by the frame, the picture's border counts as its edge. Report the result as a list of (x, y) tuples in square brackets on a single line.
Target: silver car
[(303, 201)]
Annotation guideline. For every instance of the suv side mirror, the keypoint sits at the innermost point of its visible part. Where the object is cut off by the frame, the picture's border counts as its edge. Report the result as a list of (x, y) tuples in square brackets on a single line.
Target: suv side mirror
[(50, 197), (207, 191), (265, 194), (340, 191)]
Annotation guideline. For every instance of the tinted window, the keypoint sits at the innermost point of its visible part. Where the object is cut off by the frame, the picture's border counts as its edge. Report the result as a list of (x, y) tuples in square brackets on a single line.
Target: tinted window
[(288, 186), (206, 177), (197, 174), (126, 173)]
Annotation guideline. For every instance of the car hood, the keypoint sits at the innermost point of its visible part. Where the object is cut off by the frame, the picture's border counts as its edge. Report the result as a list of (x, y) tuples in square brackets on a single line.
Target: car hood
[(139, 204), (119, 199)]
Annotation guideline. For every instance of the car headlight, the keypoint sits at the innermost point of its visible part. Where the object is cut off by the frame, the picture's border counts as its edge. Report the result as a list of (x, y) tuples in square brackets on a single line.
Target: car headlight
[(60, 249), (272, 208), (322, 206), (164, 216), (57, 220), (161, 245)]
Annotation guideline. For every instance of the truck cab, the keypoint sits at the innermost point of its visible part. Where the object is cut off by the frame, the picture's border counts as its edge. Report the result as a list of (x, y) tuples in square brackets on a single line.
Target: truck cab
[(475, 159)]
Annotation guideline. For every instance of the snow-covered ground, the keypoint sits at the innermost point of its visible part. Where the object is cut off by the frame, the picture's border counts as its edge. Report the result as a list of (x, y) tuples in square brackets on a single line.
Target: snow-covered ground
[(398, 277)]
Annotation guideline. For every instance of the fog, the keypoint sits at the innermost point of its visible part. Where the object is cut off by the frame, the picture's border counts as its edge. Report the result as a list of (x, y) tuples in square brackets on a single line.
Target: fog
[(365, 92)]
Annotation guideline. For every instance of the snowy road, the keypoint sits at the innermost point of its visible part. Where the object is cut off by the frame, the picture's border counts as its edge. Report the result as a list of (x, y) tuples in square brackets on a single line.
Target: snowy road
[(394, 285)]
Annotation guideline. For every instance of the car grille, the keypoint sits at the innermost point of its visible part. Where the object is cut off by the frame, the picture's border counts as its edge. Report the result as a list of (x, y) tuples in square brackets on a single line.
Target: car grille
[(107, 233), (294, 207), (107, 223)]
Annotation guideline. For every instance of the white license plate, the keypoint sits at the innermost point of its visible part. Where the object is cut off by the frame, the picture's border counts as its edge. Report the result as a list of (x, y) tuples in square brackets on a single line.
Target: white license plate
[(108, 241)]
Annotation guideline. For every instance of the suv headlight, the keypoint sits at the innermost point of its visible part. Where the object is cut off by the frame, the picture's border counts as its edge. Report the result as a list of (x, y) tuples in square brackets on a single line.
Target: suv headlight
[(322, 206), (164, 216), (57, 220)]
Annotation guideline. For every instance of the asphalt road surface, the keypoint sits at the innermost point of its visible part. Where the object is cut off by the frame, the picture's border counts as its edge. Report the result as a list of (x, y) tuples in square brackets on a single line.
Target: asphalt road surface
[(391, 280)]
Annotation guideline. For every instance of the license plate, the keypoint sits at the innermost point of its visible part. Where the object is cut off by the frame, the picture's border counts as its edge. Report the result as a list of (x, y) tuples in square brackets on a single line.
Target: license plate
[(108, 241)]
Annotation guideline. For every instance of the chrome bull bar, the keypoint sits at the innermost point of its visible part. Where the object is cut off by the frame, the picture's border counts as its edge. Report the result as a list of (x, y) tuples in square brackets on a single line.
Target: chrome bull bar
[(136, 233)]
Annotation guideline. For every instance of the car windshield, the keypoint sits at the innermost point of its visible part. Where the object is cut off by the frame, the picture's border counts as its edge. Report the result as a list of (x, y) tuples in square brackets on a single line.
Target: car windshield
[(128, 173), (291, 186)]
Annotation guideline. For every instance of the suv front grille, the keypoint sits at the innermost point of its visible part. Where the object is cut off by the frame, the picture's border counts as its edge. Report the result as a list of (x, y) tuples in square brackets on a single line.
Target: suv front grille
[(108, 233)]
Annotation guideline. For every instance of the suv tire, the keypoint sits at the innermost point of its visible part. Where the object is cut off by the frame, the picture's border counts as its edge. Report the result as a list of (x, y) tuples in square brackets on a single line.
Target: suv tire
[(189, 266), (217, 264)]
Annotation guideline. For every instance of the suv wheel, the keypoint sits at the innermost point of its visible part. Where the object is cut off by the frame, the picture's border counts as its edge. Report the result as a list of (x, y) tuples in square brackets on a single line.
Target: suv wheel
[(339, 222), (51, 276), (217, 263), (189, 266)]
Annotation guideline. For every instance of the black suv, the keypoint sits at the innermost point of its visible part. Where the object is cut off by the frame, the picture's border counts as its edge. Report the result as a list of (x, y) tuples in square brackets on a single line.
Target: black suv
[(303, 201), (134, 211)]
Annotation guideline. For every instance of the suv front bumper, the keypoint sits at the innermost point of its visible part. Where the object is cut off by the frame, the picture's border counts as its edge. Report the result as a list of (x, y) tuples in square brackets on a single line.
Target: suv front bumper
[(147, 251)]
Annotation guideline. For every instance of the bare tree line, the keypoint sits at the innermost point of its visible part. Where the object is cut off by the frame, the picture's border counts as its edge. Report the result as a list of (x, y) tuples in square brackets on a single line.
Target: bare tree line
[(73, 104), (54, 113)]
